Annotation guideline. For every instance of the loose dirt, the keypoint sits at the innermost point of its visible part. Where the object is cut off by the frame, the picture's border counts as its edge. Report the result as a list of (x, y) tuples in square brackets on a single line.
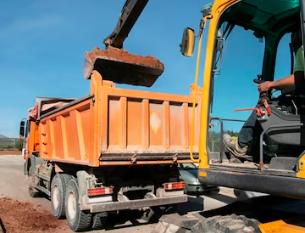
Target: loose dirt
[(23, 217), (21, 213), (123, 56), (10, 152), (119, 66)]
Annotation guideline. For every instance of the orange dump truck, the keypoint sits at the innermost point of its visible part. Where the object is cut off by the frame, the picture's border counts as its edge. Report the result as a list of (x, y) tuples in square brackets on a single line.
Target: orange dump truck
[(115, 149)]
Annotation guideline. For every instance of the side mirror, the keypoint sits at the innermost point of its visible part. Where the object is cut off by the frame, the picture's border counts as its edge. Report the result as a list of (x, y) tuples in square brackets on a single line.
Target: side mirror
[(22, 128), (188, 42)]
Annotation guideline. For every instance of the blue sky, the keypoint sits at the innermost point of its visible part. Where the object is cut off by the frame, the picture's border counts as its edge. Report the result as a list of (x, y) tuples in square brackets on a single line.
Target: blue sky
[(42, 44)]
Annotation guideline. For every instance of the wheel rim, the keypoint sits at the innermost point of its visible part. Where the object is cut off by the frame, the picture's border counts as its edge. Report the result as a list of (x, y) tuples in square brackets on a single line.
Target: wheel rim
[(71, 205), (55, 197)]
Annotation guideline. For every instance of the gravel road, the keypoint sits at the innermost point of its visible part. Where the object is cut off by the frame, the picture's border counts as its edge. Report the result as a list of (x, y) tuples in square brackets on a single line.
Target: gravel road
[(21, 213), (16, 205)]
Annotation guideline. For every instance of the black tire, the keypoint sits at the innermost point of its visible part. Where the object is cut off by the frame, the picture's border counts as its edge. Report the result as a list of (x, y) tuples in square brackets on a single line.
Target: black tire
[(78, 220), (58, 194), (230, 224)]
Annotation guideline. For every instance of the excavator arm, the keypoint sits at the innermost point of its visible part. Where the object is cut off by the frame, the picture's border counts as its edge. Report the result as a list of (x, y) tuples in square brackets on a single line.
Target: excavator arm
[(129, 15), (116, 64)]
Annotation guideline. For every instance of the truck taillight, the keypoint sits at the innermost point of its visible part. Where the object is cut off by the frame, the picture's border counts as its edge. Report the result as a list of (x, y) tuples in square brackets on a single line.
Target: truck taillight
[(174, 186), (99, 191)]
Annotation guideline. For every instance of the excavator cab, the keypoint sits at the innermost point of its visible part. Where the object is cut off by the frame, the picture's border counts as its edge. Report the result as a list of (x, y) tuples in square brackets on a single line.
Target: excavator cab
[(279, 117), (278, 161)]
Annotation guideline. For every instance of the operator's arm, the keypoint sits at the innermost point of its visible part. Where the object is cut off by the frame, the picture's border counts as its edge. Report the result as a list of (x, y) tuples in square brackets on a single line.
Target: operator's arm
[(281, 83), (296, 79)]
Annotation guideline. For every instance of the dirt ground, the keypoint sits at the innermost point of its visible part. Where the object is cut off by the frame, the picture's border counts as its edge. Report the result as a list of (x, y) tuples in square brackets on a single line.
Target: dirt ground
[(10, 152), (20, 217), (21, 213)]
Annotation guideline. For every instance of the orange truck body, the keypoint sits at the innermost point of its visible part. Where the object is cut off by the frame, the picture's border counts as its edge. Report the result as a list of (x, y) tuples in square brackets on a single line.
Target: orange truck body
[(115, 126)]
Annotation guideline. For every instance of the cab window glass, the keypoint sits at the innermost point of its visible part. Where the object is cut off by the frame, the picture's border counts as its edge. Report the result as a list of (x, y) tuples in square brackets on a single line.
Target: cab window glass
[(283, 58)]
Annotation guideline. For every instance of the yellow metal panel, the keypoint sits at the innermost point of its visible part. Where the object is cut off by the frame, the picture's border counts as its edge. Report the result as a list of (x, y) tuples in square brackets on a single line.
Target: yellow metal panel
[(202, 173), (280, 227), (301, 167), (217, 9)]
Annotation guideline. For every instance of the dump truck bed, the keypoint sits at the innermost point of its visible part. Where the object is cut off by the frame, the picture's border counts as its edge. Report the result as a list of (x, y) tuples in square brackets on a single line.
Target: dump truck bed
[(116, 126)]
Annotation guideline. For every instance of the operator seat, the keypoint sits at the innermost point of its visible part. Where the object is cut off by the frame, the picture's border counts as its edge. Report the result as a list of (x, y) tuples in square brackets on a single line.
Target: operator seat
[(286, 110)]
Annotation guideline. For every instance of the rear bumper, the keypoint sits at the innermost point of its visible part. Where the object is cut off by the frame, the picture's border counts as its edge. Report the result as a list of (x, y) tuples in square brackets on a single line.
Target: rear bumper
[(256, 181), (136, 204)]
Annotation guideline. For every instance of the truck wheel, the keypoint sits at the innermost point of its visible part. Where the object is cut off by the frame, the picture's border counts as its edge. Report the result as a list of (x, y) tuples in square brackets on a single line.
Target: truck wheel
[(58, 193), (78, 220)]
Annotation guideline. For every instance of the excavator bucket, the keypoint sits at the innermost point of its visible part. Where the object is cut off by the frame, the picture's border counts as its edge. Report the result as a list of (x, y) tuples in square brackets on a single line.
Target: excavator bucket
[(119, 66)]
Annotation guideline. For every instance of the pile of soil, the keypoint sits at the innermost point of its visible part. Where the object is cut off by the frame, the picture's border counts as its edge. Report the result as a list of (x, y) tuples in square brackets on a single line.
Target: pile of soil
[(23, 217)]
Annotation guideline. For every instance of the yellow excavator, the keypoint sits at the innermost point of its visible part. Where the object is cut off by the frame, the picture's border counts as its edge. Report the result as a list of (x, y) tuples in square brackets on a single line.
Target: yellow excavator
[(278, 166)]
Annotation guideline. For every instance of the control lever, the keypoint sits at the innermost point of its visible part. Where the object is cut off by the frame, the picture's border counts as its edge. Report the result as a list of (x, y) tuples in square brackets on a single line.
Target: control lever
[(258, 80), (262, 109)]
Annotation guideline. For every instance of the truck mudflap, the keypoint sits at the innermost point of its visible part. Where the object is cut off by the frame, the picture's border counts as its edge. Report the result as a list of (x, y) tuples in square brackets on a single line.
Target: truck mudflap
[(135, 204)]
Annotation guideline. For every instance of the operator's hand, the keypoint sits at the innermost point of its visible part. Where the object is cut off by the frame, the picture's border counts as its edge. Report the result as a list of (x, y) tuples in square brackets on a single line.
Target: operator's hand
[(265, 86)]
